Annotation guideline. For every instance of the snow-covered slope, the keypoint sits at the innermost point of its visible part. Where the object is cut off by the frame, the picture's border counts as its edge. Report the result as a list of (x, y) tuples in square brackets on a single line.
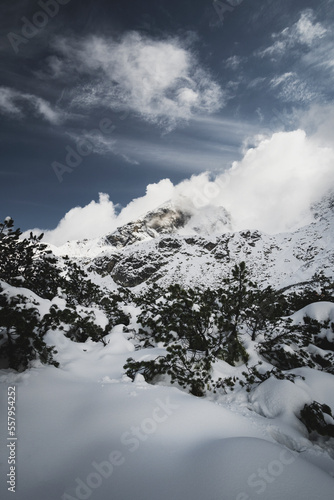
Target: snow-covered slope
[(85, 431), (167, 246)]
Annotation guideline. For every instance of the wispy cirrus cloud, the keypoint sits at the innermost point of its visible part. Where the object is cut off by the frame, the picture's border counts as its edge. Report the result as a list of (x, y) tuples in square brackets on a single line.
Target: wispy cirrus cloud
[(209, 142), (7, 102), (159, 80), (234, 62), (18, 105), (305, 32), (321, 57), (290, 88)]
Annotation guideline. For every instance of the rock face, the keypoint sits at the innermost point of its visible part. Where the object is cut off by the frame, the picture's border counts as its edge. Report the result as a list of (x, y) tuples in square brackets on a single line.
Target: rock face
[(165, 220), (167, 246)]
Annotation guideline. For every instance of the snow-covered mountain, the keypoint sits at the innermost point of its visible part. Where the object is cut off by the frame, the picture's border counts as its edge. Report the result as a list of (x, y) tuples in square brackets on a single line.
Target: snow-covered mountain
[(169, 245)]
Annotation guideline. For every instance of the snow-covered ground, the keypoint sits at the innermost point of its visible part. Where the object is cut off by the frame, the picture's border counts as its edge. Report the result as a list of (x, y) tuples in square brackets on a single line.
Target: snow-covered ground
[(85, 431)]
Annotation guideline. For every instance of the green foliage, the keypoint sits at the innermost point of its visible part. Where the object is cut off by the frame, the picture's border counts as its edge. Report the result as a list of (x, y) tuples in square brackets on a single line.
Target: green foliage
[(21, 334), (78, 328), (315, 418), (78, 288), (15, 255), (319, 289), (292, 346), (111, 304), (196, 327), (185, 368), (27, 262), (255, 376)]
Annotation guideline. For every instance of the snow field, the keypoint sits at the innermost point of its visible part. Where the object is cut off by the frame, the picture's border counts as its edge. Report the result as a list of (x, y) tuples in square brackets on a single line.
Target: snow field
[(86, 432)]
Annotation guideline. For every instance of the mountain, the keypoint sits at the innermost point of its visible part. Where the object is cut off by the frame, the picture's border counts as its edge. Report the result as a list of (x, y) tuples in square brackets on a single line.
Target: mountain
[(171, 245)]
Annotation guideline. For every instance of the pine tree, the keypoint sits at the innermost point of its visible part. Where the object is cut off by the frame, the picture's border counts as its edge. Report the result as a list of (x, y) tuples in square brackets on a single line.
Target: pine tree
[(21, 333), (27, 262), (235, 303)]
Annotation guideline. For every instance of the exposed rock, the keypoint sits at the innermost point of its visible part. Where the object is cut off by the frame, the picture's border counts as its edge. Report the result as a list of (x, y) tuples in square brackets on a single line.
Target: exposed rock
[(136, 269), (170, 243)]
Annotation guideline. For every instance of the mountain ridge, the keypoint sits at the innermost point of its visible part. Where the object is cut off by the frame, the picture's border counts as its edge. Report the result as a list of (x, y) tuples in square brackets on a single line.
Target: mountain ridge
[(169, 244)]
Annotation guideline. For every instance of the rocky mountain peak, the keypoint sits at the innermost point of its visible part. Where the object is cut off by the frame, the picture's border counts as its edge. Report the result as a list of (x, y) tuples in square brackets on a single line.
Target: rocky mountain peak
[(166, 219)]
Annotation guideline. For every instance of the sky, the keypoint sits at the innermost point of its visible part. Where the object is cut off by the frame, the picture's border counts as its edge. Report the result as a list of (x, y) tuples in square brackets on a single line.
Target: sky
[(110, 108)]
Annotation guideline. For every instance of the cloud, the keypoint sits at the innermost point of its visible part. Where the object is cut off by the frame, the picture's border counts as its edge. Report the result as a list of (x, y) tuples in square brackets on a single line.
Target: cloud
[(44, 109), (270, 189), (318, 121), (212, 141), (305, 32), (14, 103), (100, 218), (233, 62), (91, 221), (291, 89), (321, 58), (159, 80), (7, 104)]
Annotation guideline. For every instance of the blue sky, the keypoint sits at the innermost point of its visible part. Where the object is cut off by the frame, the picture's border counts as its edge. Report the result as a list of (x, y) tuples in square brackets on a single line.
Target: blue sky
[(113, 96)]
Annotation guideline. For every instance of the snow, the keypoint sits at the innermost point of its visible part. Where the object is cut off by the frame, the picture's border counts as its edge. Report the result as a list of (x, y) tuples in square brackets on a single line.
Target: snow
[(321, 311), (279, 398), (85, 431)]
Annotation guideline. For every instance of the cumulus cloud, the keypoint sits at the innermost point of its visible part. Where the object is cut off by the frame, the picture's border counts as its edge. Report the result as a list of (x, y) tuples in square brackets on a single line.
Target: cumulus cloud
[(318, 121), (273, 186), (304, 32), (270, 189), (159, 80), (13, 103), (90, 221), (102, 217)]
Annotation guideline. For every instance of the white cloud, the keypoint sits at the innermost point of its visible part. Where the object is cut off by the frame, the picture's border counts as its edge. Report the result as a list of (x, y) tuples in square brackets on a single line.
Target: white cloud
[(159, 80), (318, 121), (270, 189), (304, 32), (233, 62), (7, 104), (291, 89), (281, 79), (12, 103), (321, 58), (100, 218), (90, 221), (44, 109)]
